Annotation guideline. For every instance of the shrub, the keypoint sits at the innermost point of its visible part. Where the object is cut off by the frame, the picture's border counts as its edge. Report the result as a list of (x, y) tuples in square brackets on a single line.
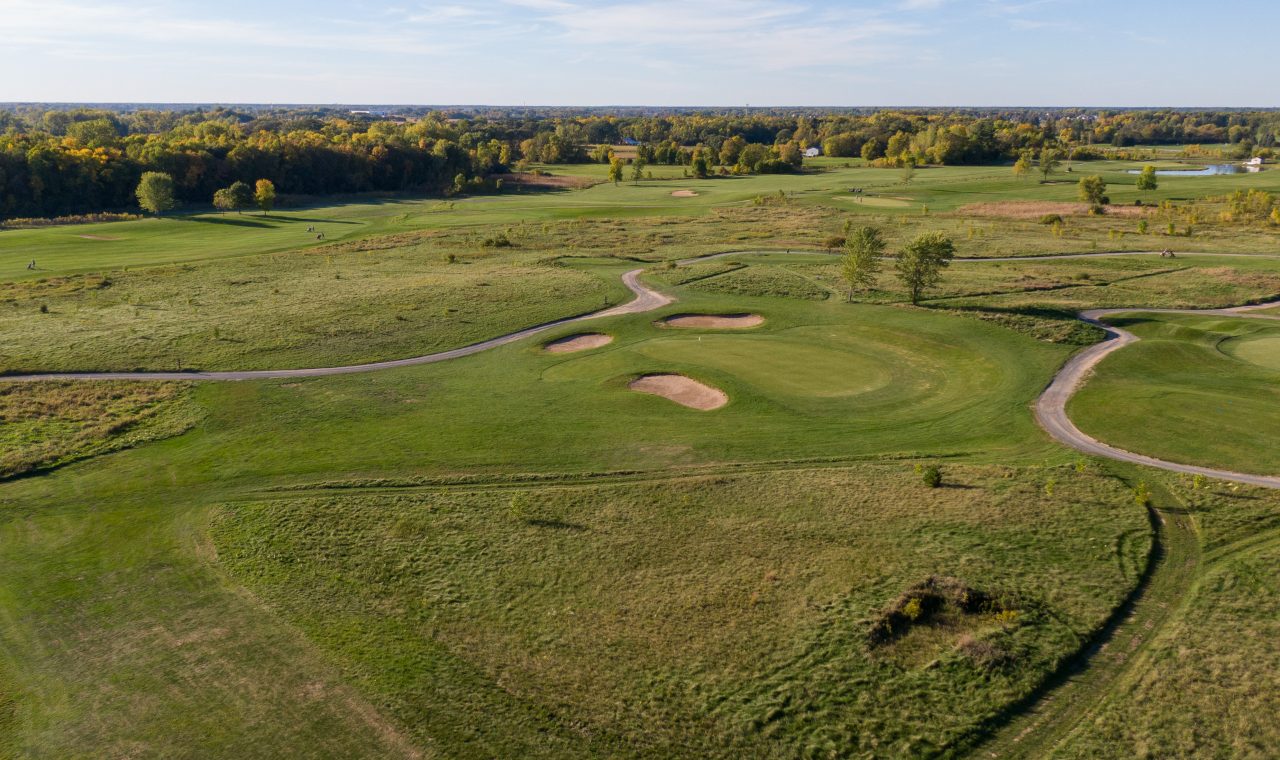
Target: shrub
[(1051, 219), (913, 609), (498, 241), (834, 242), (932, 476)]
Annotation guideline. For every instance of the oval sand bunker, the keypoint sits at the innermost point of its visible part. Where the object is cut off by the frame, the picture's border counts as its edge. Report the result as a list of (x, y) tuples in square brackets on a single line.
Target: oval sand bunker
[(684, 194), (683, 390), (579, 342), (716, 321)]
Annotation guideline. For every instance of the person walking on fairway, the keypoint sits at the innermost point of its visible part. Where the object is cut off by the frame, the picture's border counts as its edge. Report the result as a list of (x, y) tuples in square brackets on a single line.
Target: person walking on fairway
[(32, 265)]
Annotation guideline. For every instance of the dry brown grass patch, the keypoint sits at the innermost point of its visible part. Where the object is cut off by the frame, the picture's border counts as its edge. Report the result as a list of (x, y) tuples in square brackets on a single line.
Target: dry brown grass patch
[(1037, 209)]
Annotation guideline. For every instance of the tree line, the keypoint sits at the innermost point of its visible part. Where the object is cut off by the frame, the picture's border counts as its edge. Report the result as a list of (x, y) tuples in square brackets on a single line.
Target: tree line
[(80, 160)]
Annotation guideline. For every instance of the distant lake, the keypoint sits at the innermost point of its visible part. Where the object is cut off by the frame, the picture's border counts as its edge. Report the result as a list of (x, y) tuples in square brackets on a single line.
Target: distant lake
[(1205, 172)]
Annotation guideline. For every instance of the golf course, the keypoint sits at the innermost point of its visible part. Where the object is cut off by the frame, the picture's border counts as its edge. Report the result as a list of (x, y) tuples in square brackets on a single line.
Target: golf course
[(604, 468)]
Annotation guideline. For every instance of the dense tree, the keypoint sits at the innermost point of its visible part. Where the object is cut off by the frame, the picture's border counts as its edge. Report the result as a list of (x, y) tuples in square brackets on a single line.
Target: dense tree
[(615, 170), (860, 266), (1093, 190), (241, 195), (701, 164), (264, 194), (920, 263), (1147, 178), (155, 192)]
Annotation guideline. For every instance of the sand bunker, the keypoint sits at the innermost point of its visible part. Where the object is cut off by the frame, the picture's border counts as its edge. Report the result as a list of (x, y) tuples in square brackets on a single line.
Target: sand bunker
[(684, 194), (579, 342), (683, 390), (97, 237), (715, 321)]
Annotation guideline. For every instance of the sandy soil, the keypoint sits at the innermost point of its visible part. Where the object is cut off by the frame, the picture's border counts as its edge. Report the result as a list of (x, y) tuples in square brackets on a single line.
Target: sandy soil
[(718, 321), (1037, 209), (683, 390), (97, 237), (684, 194), (579, 342)]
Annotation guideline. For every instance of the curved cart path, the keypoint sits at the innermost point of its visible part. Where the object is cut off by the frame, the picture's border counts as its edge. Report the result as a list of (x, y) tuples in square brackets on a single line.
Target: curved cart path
[(1050, 408)]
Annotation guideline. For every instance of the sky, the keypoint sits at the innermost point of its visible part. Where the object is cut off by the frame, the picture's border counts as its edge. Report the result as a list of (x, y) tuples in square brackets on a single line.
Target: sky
[(724, 53)]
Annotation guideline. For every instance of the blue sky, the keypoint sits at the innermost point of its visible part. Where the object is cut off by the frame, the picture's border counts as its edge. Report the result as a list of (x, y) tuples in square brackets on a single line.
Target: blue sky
[(655, 52)]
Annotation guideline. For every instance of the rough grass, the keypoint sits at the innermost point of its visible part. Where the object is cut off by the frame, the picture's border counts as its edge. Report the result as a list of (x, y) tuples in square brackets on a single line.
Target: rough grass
[(1207, 687), (763, 281), (709, 616), (43, 425), (300, 309)]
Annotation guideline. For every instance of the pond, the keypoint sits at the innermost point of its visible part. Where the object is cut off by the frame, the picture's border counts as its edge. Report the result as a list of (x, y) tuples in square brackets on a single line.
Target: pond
[(1205, 172)]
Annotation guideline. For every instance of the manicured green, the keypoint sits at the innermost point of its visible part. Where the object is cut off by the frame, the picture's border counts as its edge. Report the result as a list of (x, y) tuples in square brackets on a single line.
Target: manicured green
[(1202, 390)]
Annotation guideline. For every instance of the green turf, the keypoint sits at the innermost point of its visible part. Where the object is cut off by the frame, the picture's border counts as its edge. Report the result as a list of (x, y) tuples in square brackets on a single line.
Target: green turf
[(1185, 393)]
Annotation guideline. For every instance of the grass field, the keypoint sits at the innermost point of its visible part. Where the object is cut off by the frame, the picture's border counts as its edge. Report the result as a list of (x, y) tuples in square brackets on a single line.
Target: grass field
[(378, 565)]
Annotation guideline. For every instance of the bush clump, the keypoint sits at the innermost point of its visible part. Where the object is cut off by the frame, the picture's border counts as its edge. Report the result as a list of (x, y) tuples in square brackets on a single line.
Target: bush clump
[(1048, 219), (932, 476)]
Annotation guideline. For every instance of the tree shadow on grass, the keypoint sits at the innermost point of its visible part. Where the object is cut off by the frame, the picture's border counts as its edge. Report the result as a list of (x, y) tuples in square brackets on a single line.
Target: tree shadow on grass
[(555, 524), (236, 221)]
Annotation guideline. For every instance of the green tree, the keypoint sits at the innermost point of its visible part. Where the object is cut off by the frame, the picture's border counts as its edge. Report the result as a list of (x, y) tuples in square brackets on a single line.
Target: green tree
[(1147, 178), (1093, 190), (908, 171), (1049, 160), (615, 170), (155, 192), (264, 194), (241, 195), (637, 170), (921, 262), (700, 164), (222, 199), (1022, 167), (861, 264)]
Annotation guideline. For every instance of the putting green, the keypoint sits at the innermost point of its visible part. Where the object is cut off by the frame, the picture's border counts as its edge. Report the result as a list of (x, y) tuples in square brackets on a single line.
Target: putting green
[(782, 366), (1263, 350)]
